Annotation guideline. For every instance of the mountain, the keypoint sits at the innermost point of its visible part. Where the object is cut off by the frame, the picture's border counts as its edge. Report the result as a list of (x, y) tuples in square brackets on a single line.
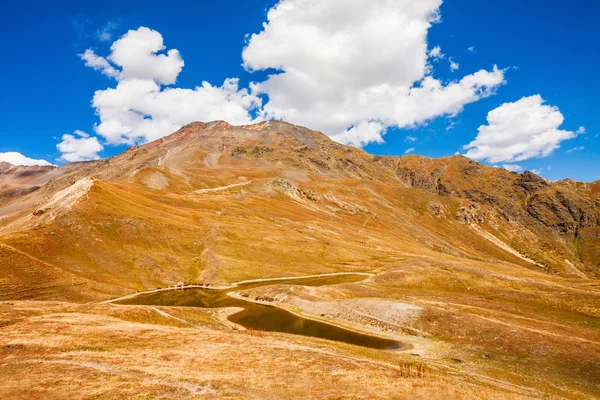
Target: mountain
[(504, 266), (16, 181)]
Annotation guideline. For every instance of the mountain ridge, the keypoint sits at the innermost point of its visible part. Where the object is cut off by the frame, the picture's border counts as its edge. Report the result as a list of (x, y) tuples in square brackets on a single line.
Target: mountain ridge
[(557, 224)]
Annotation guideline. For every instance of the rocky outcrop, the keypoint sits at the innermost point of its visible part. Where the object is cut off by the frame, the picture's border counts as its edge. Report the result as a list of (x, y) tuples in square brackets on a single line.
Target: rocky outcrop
[(470, 215), (423, 180), (522, 198), (284, 187), (437, 209), (530, 183), (562, 211), (329, 201)]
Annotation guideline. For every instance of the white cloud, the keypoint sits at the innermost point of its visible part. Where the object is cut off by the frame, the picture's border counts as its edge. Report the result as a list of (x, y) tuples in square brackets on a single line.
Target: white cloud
[(536, 171), (351, 68), (99, 63), (436, 53), (353, 63), (411, 150), (471, 49), (137, 55), (454, 66), (362, 134), (15, 158), (519, 131), (581, 130), (580, 148), (84, 148), (512, 167), (410, 138), (140, 109)]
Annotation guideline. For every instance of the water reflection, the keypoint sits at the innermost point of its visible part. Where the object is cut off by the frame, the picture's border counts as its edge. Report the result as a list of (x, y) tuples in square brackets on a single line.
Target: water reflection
[(267, 318)]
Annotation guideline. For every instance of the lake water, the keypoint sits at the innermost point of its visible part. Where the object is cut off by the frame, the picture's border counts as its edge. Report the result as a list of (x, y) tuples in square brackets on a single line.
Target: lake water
[(264, 317)]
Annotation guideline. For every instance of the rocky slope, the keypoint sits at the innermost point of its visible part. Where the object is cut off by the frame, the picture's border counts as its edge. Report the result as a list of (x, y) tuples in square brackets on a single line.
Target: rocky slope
[(564, 216), (16, 181)]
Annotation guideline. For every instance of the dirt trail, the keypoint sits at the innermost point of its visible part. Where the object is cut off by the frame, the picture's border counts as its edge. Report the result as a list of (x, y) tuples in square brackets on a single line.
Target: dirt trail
[(167, 315), (486, 235), (234, 285), (6, 246), (219, 189), (75, 280)]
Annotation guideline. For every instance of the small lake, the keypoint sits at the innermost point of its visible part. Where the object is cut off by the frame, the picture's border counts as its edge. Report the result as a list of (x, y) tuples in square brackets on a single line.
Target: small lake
[(264, 317)]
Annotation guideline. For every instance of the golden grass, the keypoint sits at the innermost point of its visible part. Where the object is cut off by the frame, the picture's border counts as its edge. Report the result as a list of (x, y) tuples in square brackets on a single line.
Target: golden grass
[(53, 350)]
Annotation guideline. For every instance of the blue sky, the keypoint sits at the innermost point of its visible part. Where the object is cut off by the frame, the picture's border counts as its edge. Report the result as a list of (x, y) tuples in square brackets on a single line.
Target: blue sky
[(541, 47)]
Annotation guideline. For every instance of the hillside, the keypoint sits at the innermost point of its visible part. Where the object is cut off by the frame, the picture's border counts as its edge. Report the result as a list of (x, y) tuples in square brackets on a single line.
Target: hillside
[(504, 267)]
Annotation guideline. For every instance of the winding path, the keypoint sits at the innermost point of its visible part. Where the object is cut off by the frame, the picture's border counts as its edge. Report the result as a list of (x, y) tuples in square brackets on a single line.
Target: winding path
[(218, 189), (234, 285)]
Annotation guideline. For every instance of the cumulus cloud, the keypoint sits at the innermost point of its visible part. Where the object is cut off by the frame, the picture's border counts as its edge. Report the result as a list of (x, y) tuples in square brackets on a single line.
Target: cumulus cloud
[(79, 147), (15, 158), (140, 108), (352, 69), (137, 56), (519, 131)]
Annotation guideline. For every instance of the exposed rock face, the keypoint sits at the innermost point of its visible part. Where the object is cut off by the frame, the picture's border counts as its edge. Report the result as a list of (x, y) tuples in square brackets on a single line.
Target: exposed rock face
[(331, 202), (563, 211), (530, 182), (526, 201), (515, 197), (470, 215), (437, 209), (286, 188), (422, 179), (511, 212)]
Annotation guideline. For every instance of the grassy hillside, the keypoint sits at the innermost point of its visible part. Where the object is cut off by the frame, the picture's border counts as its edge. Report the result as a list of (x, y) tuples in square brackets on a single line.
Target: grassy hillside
[(502, 266)]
